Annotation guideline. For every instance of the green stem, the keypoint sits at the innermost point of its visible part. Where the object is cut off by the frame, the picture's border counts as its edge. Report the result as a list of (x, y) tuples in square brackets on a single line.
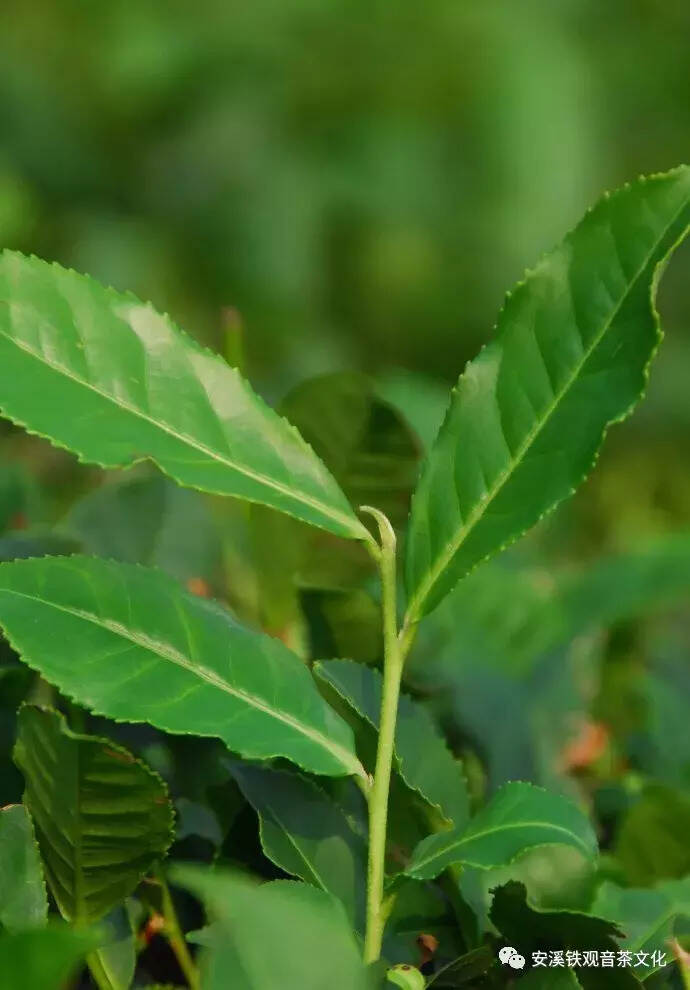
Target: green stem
[(378, 796), (174, 934)]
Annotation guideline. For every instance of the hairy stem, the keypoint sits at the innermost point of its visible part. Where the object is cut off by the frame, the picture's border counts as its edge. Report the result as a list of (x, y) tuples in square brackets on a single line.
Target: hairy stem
[(174, 934), (378, 795)]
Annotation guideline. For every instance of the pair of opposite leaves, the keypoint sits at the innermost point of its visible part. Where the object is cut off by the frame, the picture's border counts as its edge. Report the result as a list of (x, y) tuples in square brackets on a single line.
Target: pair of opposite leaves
[(106, 376)]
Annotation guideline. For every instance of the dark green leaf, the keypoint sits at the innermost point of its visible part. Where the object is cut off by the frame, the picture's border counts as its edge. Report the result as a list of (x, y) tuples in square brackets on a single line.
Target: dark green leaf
[(526, 420), (129, 385), (529, 929), (305, 833), (518, 817), (42, 959), (652, 841), (102, 817), (464, 969), (370, 450), (282, 934), (422, 756), (20, 545), (23, 903), (131, 644)]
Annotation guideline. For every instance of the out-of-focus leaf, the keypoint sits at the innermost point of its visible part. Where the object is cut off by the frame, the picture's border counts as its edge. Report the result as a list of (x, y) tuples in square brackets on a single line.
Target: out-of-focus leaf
[(44, 958), (16, 496), (652, 841), (464, 969), (405, 976), (23, 903), (529, 930), (130, 386), (149, 520), (282, 934), (20, 545), (304, 832), (102, 817), (118, 953), (574, 343), (366, 444), (518, 817), (647, 916), (422, 756), (420, 909), (131, 644)]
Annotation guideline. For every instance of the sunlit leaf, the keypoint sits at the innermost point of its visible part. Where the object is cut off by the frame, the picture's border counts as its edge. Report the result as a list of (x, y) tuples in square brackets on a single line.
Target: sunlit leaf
[(518, 817), (528, 415), (129, 386), (130, 643)]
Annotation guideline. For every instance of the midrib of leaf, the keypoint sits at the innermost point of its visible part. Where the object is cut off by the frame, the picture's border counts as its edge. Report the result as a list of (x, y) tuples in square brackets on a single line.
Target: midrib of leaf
[(293, 842), (278, 486), (475, 515), (139, 638), (501, 828)]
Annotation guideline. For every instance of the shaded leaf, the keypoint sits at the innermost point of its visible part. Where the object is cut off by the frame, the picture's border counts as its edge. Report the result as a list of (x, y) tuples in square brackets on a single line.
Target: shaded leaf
[(464, 969), (528, 415), (652, 840), (422, 757), (530, 929), (365, 443), (304, 832), (129, 385), (281, 934), (102, 817), (131, 644), (647, 916), (23, 903), (43, 958), (518, 817), (22, 544)]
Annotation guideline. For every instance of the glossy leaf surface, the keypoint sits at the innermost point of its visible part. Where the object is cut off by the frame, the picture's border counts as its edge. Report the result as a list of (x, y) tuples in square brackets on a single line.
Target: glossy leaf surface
[(130, 643), (102, 817), (23, 903), (518, 817), (423, 759), (305, 833), (130, 385), (281, 934), (525, 422)]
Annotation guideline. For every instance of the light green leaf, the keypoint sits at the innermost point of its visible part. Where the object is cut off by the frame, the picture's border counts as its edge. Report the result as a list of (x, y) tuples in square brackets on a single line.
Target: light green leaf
[(304, 832), (282, 934), (44, 958), (102, 817), (573, 347), (129, 385), (23, 902), (131, 644), (647, 916), (518, 817), (406, 976), (422, 757)]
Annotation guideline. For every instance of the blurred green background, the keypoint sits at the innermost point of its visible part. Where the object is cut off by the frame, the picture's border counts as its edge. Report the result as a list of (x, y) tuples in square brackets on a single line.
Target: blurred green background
[(348, 186)]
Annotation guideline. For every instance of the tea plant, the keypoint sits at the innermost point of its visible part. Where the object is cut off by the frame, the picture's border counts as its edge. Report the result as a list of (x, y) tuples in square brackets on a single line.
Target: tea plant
[(312, 746)]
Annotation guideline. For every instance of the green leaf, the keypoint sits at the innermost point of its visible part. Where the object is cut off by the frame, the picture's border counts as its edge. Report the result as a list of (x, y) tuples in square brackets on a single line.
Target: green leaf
[(465, 969), (647, 916), (364, 442), (44, 958), (148, 520), (422, 757), (530, 929), (24, 903), (102, 817), (518, 817), (131, 644), (305, 833), (528, 415), (22, 544), (129, 385), (117, 956), (282, 934), (652, 840), (406, 976)]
